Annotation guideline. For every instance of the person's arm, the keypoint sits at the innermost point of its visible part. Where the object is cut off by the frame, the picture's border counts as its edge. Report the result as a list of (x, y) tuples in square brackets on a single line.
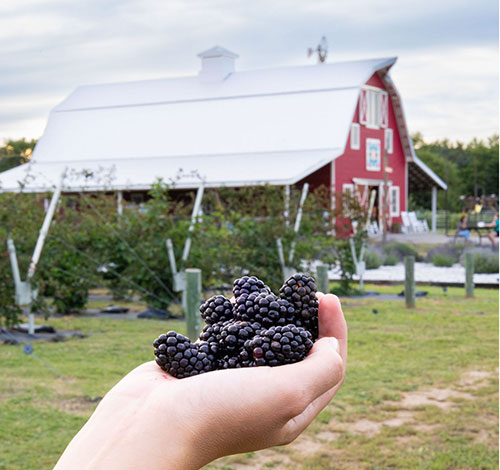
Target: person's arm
[(153, 421)]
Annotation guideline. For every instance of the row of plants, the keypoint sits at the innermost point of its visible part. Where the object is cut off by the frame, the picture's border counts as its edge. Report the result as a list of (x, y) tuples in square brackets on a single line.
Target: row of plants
[(91, 245)]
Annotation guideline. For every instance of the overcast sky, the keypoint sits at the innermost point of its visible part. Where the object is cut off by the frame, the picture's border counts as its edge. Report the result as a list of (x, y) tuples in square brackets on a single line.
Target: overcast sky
[(447, 71)]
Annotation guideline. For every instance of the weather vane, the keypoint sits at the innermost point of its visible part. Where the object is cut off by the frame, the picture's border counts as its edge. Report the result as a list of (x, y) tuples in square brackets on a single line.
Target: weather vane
[(321, 49)]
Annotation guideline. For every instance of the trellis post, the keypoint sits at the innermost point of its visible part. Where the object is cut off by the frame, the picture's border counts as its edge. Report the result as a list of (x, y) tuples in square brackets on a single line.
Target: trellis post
[(193, 300), (322, 278), (469, 275), (410, 281)]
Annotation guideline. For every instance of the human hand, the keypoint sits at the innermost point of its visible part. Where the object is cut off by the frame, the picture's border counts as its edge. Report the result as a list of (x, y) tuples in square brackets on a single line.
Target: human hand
[(152, 420)]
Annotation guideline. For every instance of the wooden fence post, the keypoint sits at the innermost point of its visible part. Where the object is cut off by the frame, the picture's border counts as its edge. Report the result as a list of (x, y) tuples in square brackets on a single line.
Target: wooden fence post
[(469, 275), (322, 278), (410, 281), (193, 300)]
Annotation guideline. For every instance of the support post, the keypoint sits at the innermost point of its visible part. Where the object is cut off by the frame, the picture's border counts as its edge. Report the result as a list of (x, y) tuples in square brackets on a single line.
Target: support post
[(434, 209), (286, 212), (193, 300), (322, 278), (410, 281), (194, 218), (119, 202), (298, 219), (469, 275)]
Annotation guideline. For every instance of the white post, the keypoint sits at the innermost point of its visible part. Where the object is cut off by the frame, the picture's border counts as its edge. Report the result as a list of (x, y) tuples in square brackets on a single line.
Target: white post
[(286, 212), (298, 219), (43, 232), (119, 202), (434, 208), (13, 263), (194, 216)]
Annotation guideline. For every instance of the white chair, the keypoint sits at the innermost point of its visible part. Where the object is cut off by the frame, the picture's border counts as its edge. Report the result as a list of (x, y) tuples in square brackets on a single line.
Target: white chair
[(406, 226), (418, 225)]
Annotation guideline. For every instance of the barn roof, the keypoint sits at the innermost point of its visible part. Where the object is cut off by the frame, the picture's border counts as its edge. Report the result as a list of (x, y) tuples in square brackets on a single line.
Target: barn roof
[(222, 126)]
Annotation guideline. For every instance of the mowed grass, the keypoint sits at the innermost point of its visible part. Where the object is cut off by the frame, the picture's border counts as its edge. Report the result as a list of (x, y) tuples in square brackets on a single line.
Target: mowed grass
[(393, 354)]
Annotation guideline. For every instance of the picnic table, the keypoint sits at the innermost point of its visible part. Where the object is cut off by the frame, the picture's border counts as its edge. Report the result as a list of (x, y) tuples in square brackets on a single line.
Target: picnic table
[(482, 231)]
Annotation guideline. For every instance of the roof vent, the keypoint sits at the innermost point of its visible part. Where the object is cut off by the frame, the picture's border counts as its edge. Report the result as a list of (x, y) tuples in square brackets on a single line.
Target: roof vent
[(216, 63)]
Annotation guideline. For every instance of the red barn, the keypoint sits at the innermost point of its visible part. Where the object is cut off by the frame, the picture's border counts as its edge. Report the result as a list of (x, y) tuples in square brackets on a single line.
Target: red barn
[(325, 124)]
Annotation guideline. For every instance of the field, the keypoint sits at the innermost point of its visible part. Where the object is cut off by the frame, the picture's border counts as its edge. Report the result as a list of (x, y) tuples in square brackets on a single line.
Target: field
[(421, 390)]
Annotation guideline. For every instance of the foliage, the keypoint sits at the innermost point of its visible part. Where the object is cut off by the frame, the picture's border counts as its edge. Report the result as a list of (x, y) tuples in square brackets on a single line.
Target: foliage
[(16, 152), (485, 262), (443, 260), (464, 168), (391, 259), (401, 250), (372, 260)]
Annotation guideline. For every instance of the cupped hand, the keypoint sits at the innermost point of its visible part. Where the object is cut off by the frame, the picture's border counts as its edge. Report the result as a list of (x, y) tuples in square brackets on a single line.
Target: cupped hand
[(152, 420)]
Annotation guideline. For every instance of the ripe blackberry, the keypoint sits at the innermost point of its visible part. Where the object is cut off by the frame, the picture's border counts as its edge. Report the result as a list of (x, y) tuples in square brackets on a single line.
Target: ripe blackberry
[(234, 335), (216, 309), (242, 359), (300, 290), (211, 334), (262, 308), (179, 357), (280, 345), (249, 285)]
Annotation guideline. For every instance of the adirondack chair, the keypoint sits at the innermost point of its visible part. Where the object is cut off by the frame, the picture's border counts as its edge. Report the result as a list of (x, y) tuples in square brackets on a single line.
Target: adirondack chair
[(406, 226), (417, 225)]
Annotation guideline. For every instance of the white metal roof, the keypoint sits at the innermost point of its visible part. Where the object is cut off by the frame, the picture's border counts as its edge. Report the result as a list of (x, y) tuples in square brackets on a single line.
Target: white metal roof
[(252, 127)]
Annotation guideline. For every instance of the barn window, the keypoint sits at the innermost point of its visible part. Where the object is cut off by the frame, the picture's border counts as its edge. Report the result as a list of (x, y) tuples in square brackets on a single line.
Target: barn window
[(373, 107), (348, 188), (389, 140), (394, 200), (355, 140)]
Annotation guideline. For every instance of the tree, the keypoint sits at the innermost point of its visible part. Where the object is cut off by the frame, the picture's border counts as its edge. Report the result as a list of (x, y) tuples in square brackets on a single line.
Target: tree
[(16, 152)]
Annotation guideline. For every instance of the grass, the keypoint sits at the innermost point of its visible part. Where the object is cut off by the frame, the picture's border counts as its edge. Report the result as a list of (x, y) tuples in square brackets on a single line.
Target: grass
[(393, 354)]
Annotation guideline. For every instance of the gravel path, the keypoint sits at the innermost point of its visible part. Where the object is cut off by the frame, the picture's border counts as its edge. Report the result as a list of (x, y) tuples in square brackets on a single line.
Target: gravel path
[(424, 272)]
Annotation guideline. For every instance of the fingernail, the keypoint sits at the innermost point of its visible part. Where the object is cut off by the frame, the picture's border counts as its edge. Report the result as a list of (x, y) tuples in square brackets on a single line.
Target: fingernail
[(335, 344)]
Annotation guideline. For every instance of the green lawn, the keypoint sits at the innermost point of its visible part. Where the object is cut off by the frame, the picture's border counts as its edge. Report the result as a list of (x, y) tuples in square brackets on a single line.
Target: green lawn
[(421, 390)]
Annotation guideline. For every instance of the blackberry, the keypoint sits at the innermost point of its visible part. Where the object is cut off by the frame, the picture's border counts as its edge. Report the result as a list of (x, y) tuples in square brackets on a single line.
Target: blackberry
[(262, 308), (179, 357), (216, 309), (249, 285), (211, 334), (234, 335), (300, 290), (280, 345), (242, 359)]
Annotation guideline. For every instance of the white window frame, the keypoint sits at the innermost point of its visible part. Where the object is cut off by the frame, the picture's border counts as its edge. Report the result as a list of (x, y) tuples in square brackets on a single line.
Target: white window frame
[(394, 194), (348, 187), (355, 136), (373, 97), (389, 140)]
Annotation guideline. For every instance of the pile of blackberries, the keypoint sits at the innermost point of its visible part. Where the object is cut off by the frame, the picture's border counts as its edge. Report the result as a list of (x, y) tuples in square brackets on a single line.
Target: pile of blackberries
[(257, 329)]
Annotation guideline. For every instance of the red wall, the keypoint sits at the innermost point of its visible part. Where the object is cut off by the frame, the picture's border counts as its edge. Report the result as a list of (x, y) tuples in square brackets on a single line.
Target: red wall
[(352, 163)]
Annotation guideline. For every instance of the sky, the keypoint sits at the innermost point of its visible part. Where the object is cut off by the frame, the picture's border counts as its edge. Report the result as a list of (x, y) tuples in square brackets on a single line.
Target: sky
[(446, 73)]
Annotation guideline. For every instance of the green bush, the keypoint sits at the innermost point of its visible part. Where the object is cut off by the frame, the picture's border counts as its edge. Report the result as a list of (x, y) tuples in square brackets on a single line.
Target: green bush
[(443, 260), (372, 260), (485, 263), (401, 250), (391, 259)]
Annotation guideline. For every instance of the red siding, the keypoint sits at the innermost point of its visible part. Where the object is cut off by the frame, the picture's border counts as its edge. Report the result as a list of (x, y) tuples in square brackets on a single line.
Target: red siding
[(352, 163)]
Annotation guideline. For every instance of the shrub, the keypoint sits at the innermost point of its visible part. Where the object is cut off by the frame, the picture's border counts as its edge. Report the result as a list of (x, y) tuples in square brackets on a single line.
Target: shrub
[(443, 260), (391, 260), (401, 250), (451, 250), (485, 263), (372, 260)]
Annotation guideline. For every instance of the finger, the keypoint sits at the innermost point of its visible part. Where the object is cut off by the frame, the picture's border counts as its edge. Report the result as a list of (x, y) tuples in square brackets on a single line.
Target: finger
[(299, 423), (332, 322), (320, 371)]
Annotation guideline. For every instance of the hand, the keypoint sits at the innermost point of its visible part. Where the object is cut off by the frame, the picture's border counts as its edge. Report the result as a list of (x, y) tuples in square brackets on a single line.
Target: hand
[(153, 421)]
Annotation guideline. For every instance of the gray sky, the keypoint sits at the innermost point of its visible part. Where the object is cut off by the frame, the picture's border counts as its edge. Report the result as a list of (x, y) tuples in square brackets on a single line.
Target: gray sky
[(447, 71)]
